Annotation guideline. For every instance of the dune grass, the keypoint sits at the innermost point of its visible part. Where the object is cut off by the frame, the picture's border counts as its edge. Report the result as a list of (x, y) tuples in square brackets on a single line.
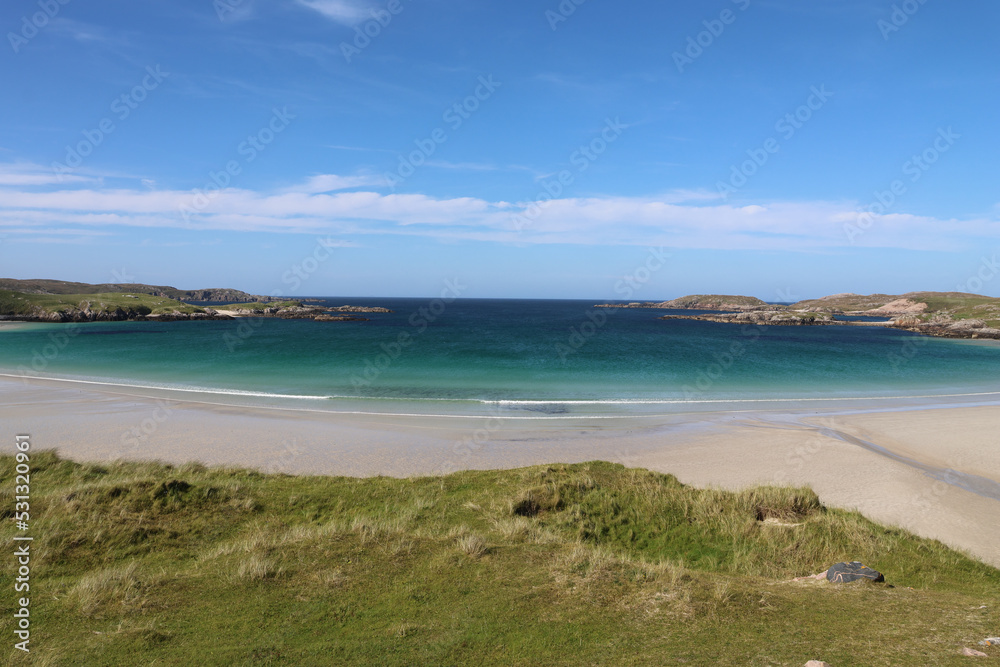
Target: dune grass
[(143, 563)]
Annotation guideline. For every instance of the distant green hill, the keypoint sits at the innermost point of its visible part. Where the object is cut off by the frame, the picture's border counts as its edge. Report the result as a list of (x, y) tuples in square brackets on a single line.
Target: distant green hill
[(223, 295)]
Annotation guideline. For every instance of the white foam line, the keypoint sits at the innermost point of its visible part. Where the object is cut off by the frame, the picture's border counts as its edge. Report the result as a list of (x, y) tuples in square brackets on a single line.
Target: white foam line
[(190, 390), (485, 402), (640, 401), (367, 413), (343, 412)]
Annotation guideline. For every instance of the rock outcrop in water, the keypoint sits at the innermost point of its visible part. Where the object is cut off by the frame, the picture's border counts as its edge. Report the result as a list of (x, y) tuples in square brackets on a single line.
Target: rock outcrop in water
[(340, 318), (761, 317), (360, 309), (300, 312)]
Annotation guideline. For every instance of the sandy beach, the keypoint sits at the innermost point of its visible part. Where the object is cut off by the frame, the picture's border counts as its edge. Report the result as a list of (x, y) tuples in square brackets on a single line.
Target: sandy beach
[(11, 326), (933, 470)]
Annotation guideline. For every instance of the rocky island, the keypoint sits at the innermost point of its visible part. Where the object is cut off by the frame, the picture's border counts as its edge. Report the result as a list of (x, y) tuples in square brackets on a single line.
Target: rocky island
[(944, 314), (700, 302)]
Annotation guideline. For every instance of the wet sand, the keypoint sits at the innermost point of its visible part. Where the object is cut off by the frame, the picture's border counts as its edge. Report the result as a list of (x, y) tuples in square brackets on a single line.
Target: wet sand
[(933, 470)]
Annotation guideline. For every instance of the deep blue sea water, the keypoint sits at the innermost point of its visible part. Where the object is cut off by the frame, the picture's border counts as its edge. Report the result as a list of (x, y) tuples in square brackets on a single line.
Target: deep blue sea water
[(535, 355)]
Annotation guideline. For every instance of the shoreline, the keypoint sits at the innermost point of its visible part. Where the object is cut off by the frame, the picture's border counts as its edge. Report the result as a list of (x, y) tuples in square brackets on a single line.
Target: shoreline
[(931, 469), (10, 325), (517, 409)]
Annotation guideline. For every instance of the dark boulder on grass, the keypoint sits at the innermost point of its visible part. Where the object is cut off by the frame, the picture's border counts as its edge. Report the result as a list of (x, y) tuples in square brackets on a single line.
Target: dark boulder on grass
[(843, 573)]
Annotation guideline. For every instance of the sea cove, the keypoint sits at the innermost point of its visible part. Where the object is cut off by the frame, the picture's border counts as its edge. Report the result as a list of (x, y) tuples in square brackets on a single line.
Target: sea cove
[(521, 357)]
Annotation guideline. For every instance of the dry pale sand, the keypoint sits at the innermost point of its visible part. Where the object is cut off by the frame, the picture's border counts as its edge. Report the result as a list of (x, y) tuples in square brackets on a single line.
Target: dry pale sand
[(912, 468)]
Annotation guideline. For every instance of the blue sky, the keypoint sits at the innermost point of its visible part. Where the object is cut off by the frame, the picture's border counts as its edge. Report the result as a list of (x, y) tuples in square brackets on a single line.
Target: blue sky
[(778, 148)]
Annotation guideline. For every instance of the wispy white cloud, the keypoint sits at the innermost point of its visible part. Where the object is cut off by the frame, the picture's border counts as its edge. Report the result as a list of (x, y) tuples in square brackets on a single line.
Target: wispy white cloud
[(359, 148), (332, 182), (335, 204), (463, 166), (82, 31), (23, 173), (346, 12)]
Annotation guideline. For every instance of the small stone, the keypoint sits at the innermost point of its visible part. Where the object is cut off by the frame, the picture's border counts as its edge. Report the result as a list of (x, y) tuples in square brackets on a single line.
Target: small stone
[(818, 663), (973, 653)]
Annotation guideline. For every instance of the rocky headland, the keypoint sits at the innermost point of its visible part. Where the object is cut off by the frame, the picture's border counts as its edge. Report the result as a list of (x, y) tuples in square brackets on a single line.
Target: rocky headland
[(54, 301)]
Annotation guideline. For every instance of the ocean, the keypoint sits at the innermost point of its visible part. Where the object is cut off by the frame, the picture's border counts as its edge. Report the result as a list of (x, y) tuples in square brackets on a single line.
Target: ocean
[(524, 358)]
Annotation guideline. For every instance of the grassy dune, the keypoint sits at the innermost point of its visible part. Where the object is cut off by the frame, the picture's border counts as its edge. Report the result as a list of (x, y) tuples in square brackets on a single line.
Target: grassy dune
[(565, 564)]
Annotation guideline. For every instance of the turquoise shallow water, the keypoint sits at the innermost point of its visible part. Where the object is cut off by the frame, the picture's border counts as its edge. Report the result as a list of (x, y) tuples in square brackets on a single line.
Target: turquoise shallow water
[(542, 356)]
